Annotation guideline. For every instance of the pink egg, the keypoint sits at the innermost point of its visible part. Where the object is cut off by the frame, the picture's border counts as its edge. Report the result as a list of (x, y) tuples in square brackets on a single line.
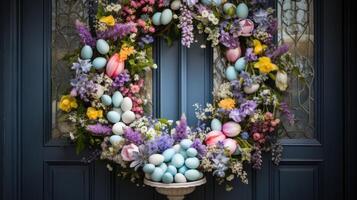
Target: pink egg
[(213, 137), (230, 144), (232, 55), (114, 66), (231, 129), (247, 27)]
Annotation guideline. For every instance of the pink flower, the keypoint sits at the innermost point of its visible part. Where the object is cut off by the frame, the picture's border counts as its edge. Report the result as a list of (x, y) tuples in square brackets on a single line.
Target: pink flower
[(114, 66), (134, 88), (127, 153), (247, 27)]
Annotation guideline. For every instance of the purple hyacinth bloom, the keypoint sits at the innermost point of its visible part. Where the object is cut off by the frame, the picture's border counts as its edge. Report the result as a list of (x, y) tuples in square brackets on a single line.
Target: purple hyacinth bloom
[(186, 26), (82, 66), (181, 131), (117, 31), (247, 108), (133, 136), (249, 55), (227, 40), (200, 147), (121, 79), (84, 34), (99, 129), (83, 86), (164, 142)]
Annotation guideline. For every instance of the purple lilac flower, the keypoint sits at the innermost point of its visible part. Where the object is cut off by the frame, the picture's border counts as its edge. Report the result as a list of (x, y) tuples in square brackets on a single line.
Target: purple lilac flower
[(99, 129), (237, 90), (121, 79), (186, 26), (201, 148), (244, 110), (282, 49), (164, 142), (256, 158), (249, 55), (84, 34), (181, 130), (83, 86), (287, 112), (117, 31), (227, 40), (82, 66), (220, 162), (133, 136)]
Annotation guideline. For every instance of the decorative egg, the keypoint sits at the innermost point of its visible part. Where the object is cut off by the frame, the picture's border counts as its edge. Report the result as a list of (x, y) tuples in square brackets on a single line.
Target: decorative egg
[(216, 2), (113, 116), (172, 170), (192, 163), (168, 153), (126, 104), (231, 129), (177, 148), (216, 125), (242, 10), (177, 160), (149, 168), (156, 19), (213, 137), (191, 152), (229, 9), (115, 140), (166, 16), (118, 110), (99, 62), (102, 46), (128, 117), (163, 166), (251, 89), (118, 128), (180, 178), (201, 175), (117, 99), (192, 175), (156, 159), (175, 5), (106, 100), (240, 64), (230, 144), (114, 66), (233, 54), (86, 52), (183, 153), (206, 2), (231, 73), (167, 178), (157, 174), (185, 143), (182, 169)]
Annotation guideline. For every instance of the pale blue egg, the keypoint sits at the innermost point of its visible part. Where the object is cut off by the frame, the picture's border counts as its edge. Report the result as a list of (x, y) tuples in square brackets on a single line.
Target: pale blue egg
[(149, 168), (192, 163), (167, 178), (115, 140), (168, 153), (201, 175), (182, 169), (163, 166), (113, 116), (206, 2), (156, 19), (217, 2), (102, 46), (183, 153), (172, 170), (166, 16), (180, 178), (185, 143), (240, 64), (106, 100), (157, 174), (231, 73), (177, 160), (117, 99), (99, 62), (192, 175), (191, 152), (242, 10), (86, 52), (216, 125)]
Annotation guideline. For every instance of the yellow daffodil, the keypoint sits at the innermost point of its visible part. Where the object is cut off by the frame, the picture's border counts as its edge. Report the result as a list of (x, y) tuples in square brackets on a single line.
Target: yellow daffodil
[(265, 65), (67, 102), (108, 20), (125, 51), (227, 104), (258, 47), (93, 113)]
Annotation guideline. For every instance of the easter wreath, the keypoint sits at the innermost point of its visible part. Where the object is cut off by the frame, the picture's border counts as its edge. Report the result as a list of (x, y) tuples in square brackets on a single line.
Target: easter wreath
[(107, 103)]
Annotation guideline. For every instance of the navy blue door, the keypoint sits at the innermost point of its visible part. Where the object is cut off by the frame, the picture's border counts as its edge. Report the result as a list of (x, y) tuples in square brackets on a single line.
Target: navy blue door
[(41, 167)]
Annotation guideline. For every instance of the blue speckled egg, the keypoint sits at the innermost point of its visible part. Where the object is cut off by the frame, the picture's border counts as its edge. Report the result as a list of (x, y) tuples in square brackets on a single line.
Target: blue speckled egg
[(182, 169), (167, 178), (86, 52), (191, 152), (149, 168), (157, 174), (156, 19), (115, 140), (216, 125), (192, 175), (172, 170), (117, 99), (192, 163), (242, 10), (185, 143), (240, 64), (102, 46), (231, 73), (206, 2), (168, 153), (163, 166), (177, 160), (113, 116), (99, 62), (180, 178), (106, 100), (166, 16)]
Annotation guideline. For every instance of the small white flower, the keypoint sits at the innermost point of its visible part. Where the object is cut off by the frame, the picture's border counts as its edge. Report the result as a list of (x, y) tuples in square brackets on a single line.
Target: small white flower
[(154, 66), (211, 17), (205, 13), (281, 80)]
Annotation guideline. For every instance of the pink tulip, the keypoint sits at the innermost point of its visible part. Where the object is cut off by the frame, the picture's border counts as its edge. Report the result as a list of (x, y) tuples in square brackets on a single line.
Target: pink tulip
[(230, 144), (213, 137), (247, 27), (127, 152), (231, 129), (114, 66), (232, 55)]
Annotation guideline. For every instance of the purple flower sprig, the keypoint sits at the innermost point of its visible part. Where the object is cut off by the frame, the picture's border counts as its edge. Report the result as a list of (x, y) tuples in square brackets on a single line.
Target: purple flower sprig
[(117, 31), (159, 144), (181, 131), (84, 34), (200, 147), (186, 26), (133, 136), (99, 129), (121, 79), (247, 108)]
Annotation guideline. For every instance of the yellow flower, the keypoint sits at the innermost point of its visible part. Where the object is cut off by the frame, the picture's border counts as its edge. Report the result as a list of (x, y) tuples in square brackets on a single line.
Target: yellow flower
[(67, 102), (108, 20), (264, 65), (93, 113), (125, 51), (258, 47), (227, 104)]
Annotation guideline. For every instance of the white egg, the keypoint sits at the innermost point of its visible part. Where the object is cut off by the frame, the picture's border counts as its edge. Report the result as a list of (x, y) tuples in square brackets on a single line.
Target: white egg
[(128, 117), (180, 178), (126, 104), (118, 128), (156, 159), (251, 89)]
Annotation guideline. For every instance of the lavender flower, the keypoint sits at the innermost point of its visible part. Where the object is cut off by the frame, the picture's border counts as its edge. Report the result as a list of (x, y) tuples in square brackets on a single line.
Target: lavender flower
[(181, 131), (82, 66), (245, 109), (227, 40), (117, 31), (220, 162), (84, 87), (201, 148), (84, 34), (147, 39), (186, 26), (249, 55), (159, 144), (133, 136), (99, 129), (121, 79)]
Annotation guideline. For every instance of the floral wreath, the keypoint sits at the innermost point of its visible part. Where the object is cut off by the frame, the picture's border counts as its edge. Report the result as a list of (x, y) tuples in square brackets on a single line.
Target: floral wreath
[(107, 103)]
